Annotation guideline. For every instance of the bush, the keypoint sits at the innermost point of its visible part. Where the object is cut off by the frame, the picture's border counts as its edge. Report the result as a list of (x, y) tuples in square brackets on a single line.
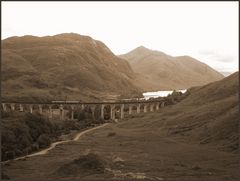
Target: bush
[(71, 125), (87, 122), (27, 150), (43, 141), (18, 152), (80, 116), (4, 176), (85, 164), (90, 161), (24, 141), (9, 155), (20, 133), (24, 133), (101, 121), (111, 134), (38, 125), (8, 137), (35, 147), (5, 114)]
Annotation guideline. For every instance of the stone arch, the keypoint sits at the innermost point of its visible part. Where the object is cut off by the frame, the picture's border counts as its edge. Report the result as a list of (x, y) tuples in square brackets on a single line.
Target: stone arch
[(107, 111), (141, 107), (117, 111), (136, 108), (6, 107)]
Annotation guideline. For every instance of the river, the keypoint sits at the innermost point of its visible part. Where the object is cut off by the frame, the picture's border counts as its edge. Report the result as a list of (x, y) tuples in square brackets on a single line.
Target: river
[(148, 95)]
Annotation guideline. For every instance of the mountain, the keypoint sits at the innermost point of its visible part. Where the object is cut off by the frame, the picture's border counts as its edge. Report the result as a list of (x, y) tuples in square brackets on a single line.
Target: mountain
[(159, 71), (226, 73), (210, 114), (65, 66)]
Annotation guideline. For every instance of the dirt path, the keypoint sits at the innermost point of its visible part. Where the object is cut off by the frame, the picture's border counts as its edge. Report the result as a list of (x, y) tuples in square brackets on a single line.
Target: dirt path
[(136, 149), (53, 145)]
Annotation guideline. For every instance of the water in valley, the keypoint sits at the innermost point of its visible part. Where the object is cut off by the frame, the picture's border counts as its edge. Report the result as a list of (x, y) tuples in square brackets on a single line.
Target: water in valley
[(148, 95)]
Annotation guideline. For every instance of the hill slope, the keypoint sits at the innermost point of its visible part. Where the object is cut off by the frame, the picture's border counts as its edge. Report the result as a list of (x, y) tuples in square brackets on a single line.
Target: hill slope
[(210, 114), (195, 139), (60, 66), (159, 71)]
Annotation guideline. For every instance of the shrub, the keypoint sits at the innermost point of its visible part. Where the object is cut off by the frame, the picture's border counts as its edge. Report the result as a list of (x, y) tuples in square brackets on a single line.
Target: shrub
[(38, 124), (24, 141), (87, 122), (27, 150), (85, 164), (9, 155), (71, 125), (8, 137), (90, 161), (43, 141), (18, 152), (4, 176), (5, 114), (28, 132), (111, 134), (35, 147)]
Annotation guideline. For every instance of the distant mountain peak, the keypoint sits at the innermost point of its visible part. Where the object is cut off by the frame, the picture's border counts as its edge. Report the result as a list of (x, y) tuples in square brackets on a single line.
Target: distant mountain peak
[(73, 36), (143, 51), (141, 48), (162, 71)]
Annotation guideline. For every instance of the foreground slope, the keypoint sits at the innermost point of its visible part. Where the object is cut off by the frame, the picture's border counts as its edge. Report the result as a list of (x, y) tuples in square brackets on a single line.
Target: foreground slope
[(159, 71), (62, 66), (196, 139), (210, 114)]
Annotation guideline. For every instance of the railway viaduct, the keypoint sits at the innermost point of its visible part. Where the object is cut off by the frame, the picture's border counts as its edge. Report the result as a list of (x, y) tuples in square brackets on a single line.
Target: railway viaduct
[(60, 108)]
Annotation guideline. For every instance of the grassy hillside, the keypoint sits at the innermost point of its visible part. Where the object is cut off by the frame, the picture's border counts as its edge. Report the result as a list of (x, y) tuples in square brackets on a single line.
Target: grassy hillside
[(195, 139), (210, 114), (64, 66)]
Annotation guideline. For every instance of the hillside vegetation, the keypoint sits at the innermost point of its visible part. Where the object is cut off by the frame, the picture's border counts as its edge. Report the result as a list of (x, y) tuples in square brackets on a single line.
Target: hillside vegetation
[(210, 114), (65, 66), (195, 138), (24, 133)]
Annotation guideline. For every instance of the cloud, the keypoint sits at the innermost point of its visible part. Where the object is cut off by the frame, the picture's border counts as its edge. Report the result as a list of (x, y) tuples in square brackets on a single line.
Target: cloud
[(216, 56), (206, 52), (225, 59)]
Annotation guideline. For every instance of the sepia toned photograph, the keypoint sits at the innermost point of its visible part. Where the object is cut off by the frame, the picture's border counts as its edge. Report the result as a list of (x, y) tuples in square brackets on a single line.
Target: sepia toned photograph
[(124, 90)]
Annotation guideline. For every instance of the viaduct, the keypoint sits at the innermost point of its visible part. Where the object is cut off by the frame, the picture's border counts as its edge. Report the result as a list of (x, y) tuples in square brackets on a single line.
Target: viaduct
[(60, 108)]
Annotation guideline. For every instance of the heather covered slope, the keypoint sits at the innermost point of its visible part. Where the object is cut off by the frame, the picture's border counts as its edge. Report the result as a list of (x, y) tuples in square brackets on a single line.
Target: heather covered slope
[(210, 114), (60, 66), (159, 71), (195, 139)]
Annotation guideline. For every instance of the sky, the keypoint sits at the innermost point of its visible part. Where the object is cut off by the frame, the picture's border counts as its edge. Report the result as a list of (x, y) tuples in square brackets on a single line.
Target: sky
[(207, 31)]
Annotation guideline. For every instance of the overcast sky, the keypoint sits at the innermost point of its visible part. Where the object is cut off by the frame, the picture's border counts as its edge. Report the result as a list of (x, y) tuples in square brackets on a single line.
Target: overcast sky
[(207, 31)]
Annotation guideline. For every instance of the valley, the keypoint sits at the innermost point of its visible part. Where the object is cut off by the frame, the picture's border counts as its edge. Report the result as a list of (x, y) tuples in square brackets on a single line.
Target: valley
[(72, 109), (196, 138)]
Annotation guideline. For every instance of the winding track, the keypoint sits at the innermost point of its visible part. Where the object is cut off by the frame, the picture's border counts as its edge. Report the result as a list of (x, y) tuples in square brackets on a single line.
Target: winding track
[(53, 145)]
